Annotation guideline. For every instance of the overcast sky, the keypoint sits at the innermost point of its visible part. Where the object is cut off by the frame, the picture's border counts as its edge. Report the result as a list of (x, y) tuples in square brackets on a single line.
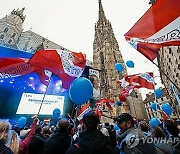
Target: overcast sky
[(70, 23)]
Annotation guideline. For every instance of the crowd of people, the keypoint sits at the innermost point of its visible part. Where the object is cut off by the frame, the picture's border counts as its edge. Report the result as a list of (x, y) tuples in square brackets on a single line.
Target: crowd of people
[(91, 137)]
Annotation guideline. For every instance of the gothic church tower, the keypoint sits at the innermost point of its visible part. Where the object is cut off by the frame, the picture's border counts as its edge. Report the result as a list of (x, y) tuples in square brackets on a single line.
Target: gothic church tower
[(106, 55)]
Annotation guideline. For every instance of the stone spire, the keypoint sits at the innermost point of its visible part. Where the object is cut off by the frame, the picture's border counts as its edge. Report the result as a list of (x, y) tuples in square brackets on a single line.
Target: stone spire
[(102, 16), (19, 13)]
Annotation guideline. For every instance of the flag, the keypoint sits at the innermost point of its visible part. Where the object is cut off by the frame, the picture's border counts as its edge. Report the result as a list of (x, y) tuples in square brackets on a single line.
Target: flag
[(123, 83), (125, 92), (157, 28), (176, 94), (110, 105), (164, 116), (98, 110), (141, 80), (14, 67), (85, 109), (65, 64), (104, 100), (46, 121)]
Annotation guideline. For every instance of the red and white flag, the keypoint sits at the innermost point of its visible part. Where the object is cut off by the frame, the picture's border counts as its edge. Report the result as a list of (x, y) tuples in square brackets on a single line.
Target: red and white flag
[(46, 121), (141, 80), (14, 67), (85, 109), (65, 64), (98, 110), (125, 92), (157, 28), (104, 100)]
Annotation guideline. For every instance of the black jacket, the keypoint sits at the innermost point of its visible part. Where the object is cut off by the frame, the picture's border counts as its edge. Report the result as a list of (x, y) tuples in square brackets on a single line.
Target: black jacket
[(5, 150), (138, 146), (37, 145), (57, 144), (91, 142)]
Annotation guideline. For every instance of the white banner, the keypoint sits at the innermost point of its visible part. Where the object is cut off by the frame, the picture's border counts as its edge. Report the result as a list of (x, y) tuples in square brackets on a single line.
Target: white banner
[(30, 104)]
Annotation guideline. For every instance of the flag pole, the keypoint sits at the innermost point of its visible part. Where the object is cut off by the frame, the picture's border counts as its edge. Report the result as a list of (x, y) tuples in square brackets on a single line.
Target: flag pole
[(44, 95), (166, 75), (75, 120)]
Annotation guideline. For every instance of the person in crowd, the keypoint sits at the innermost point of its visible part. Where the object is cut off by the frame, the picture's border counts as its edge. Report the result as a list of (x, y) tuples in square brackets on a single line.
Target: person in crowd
[(4, 136), (129, 133), (60, 141), (91, 141), (22, 144), (172, 133), (162, 147), (37, 144), (144, 127), (14, 143), (112, 134)]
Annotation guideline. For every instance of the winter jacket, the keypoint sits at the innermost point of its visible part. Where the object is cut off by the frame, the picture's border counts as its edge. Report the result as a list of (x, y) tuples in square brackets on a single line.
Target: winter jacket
[(91, 142), (37, 144), (24, 144), (164, 148), (137, 147), (57, 144), (5, 150)]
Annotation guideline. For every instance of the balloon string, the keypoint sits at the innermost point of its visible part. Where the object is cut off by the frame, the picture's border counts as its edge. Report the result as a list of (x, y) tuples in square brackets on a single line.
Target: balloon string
[(44, 95)]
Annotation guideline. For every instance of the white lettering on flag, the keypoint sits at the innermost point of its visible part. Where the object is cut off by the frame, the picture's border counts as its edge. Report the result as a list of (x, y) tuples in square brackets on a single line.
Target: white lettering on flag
[(68, 66), (169, 33)]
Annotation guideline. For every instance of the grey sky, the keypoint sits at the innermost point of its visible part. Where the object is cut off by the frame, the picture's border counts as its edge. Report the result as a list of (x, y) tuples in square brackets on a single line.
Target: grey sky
[(70, 23)]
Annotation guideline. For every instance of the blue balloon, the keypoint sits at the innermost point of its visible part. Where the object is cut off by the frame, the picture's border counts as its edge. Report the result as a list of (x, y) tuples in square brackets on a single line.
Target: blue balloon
[(116, 127), (21, 122), (167, 108), (81, 90), (130, 63), (119, 103), (56, 113), (154, 122), (154, 106), (119, 67), (158, 93)]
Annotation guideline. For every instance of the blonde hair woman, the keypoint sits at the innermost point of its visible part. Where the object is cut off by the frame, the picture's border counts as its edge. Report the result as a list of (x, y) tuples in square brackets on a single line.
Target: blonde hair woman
[(14, 142), (5, 128)]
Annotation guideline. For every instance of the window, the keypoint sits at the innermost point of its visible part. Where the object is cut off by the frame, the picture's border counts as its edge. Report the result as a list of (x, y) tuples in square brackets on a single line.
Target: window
[(14, 34), (6, 30), (162, 99), (179, 66), (169, 50), (9, 41), (177, 75), (1, 36)]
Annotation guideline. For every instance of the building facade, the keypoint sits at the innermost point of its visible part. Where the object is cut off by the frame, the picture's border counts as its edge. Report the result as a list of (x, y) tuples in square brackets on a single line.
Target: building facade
[(136, 106), (164, 99), (169, 62)]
